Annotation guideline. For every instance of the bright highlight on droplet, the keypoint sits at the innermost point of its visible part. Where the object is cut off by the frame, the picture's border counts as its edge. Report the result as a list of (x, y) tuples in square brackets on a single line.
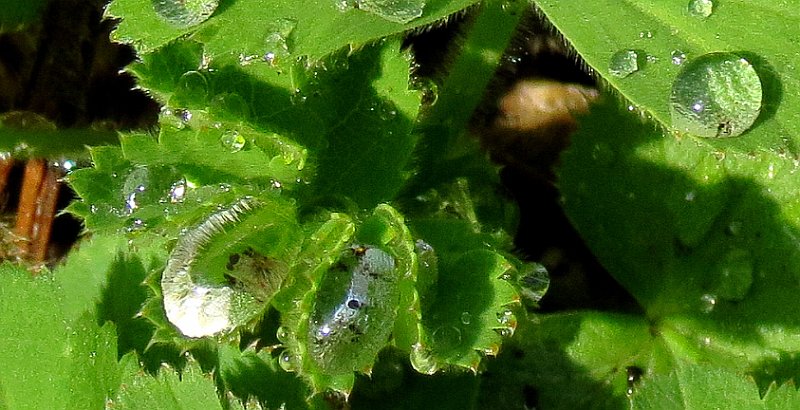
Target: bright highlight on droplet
[(716, 95), (624, 63), (185, 13), (701, 9)]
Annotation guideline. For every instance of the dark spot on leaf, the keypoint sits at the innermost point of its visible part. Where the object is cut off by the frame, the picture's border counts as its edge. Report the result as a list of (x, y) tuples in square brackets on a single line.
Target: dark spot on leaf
[(353, 304), (634, 373)]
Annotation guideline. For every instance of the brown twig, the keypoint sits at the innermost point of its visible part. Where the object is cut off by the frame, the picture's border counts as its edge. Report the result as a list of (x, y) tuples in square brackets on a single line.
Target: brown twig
[(45, 213), (35, 170)]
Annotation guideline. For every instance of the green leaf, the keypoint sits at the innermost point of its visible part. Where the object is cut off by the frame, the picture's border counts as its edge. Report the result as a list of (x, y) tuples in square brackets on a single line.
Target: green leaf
[(168, 390), (661, 28), (50, 360), (257, 27), (703, 386)]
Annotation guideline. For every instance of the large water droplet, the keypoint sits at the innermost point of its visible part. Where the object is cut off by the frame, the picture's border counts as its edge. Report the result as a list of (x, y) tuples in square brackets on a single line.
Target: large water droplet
[(134, 188), (701, 9), (278, 42), (287, 361), (398, 11), (624, 63), (446, 338), (232, 140), (185, 13), (533, 284), (716, 95)]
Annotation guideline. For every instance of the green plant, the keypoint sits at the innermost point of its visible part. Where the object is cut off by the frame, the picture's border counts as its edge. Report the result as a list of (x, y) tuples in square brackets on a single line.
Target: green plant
[(309, 212)]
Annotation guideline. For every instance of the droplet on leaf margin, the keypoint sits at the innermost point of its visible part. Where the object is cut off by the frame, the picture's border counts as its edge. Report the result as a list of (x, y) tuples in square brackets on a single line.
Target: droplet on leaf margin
[(701, 9), (716, 95), (397, 11), (185, 13), (624, 63)]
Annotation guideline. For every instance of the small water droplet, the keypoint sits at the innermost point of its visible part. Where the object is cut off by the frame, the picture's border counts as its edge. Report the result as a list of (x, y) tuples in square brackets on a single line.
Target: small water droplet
[(282, 334), (178, 191), (136, 225), (677, 57), (134, 187), (707, 303), (504, 331), (716, 95), (287, 361), (185, 13), (505, 317), (232, 140), (422, 360), (646, 34), (701, 9), (279, 41), (446, 338), (466, 318), (624, 63), (193, 86), (398, 11)]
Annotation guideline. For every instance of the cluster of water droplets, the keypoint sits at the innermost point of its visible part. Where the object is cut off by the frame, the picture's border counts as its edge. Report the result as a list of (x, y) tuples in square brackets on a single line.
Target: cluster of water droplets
[(714, 95)]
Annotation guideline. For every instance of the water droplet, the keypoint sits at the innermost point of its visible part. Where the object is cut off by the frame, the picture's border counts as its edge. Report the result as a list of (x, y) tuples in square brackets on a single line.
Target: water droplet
[(701, 9), (233, 141), (716, 95), (279, 42), (282, 334), (677, 57), (193, 87), (624, 63), (136, 225), (134, 187), (398, 11), (422, 360), (506, 317), (707, 303), (185, 13), (178, 191), (533, 284), (646, 34), (230, 106), (466, 318), (504, 331), (287, 361), (446, 338), (735, 275)]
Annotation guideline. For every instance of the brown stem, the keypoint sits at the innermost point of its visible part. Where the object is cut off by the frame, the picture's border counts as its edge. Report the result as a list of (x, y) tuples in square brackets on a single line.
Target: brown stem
[(6, 163), (45, 213), (35, 170)]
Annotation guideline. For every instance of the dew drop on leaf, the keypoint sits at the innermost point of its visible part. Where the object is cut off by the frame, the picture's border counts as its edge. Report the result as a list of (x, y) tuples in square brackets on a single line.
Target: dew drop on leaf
[(185, 13), (398, 11), (278, 41), (624, 63), (287, 361), (193, 86), (701, 9), (134, 188), (716, 95), (232, 140), (677, 57), (422, 360), (466, 318), (707, 303), (354, 310), (446, 338), (178, 191)]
